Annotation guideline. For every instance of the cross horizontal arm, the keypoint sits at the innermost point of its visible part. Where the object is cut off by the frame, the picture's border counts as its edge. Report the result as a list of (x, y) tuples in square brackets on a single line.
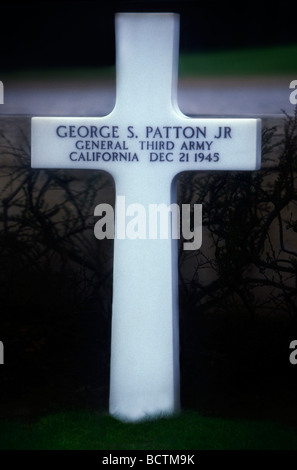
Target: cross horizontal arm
[(123, 145)]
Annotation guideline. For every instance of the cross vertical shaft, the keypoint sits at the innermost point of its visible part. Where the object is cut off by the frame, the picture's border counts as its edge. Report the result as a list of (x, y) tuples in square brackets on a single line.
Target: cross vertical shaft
[(147, 64), (144, 377)]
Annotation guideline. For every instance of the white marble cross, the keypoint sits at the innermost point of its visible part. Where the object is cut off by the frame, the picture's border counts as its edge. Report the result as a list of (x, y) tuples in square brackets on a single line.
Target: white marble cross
[(144, 143)]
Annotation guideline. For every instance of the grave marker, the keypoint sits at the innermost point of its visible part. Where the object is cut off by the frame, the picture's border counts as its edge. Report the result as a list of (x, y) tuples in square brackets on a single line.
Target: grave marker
[(144, 143)]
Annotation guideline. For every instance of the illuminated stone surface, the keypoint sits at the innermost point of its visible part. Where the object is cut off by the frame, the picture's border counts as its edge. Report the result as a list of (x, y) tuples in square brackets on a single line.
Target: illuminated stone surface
[(144, 143)]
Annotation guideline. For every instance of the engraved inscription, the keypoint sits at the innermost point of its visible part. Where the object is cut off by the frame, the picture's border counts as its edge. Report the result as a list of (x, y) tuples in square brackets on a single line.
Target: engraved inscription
[(110, 143), (174, 145)]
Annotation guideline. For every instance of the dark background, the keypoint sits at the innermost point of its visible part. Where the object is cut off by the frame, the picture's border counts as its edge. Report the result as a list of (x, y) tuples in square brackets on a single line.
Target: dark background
[(56, 335), (81, 33)]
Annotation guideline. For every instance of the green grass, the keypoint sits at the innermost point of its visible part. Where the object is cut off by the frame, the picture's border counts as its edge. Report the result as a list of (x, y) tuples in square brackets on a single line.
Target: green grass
[(274, 60), (277, 60), (85, 431)]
